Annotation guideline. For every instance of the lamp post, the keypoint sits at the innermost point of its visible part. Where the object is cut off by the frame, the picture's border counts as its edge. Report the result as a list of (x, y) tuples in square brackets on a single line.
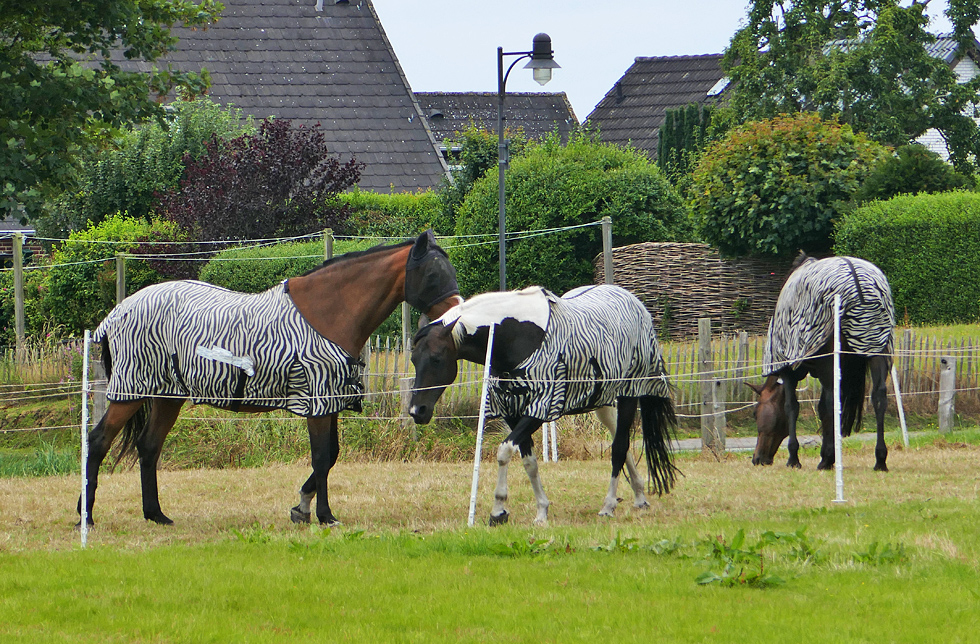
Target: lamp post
[(541, 63)]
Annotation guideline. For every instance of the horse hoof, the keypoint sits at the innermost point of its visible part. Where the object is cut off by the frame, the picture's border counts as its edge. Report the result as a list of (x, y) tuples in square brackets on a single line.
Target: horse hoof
[(159, 518), (78, 526), (330, 522), (825, 466), (795, 465), (298, 516), (500, 519), (881, 467)]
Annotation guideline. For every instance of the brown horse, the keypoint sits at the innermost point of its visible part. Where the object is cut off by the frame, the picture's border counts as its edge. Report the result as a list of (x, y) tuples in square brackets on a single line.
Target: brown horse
[(800, 342), (294, 347)]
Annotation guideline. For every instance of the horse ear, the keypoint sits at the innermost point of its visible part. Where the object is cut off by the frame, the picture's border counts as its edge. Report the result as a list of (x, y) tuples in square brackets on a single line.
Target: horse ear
[(423, 243), (756, 388)]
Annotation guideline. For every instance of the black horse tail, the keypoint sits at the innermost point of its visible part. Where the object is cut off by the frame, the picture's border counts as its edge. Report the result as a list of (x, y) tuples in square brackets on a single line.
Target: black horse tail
[(106, 356), (852, 389), (134, 428), (659, 423)]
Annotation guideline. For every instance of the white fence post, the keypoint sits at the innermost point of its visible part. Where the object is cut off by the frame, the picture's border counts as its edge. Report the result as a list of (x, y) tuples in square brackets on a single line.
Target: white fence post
[(838, 445), (947, 393), (479, 428), (83, 526)]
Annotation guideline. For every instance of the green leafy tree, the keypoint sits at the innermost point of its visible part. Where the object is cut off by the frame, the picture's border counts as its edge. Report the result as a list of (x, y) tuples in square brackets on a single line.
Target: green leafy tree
[(774, 187), (477, 156), (556, 186), (61, 93), (864, 60), (913, 169), (279, 181), (682, 137), (142, 165)]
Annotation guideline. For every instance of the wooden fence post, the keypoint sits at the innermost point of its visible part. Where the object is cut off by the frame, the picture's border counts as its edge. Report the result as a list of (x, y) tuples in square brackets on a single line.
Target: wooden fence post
[(947, 393), (120, 277), (741, 366), (607, 257), (327, 243), (709, 431), (98, 393), (405, 393)]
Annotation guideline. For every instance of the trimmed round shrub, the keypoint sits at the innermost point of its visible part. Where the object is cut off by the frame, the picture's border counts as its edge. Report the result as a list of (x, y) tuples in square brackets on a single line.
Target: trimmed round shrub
[(771, 188), (558, 186)]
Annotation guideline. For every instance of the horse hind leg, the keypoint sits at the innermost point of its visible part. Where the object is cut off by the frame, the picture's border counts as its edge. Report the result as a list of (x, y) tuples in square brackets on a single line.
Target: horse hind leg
[(99, 442), (826, 414), (620, 429), (149, 444), (880, 366)]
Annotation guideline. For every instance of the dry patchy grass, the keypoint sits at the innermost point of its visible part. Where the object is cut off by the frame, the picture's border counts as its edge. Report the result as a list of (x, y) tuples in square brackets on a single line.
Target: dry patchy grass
[(207, 505)]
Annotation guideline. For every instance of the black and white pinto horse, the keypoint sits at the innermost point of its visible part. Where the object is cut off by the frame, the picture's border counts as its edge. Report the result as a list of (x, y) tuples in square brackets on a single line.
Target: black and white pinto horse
[(800, 342), (591, 349)]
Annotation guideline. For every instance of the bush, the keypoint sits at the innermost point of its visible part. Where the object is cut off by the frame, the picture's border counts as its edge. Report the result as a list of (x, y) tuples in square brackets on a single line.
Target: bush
[(913, 169), (929, 248), (390, 216), (775, 187), (556, 186), (145, 163), (79, 289)]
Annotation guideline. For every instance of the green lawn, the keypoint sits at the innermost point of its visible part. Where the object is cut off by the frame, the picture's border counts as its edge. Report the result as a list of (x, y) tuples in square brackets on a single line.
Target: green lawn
[(734, 554)]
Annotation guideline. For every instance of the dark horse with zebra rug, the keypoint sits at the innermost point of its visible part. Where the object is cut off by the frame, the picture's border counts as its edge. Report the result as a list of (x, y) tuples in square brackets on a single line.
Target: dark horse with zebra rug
[(800, 342), (592, 348), (293, 347)]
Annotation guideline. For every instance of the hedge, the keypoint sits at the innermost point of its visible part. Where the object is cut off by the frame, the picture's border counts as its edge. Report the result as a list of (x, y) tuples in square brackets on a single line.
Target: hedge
[(929, 248)]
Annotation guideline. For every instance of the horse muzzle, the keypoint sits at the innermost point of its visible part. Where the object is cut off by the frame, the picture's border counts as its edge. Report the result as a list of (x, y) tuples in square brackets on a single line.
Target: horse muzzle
[(421, 414)]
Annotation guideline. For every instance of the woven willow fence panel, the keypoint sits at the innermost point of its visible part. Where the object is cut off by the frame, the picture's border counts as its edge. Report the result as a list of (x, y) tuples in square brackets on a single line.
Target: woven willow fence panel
[(680, 283)]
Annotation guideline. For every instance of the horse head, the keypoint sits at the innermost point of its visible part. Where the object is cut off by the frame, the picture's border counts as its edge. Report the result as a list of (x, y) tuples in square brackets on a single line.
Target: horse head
[(430, 279), (434, 355), (770, 417)]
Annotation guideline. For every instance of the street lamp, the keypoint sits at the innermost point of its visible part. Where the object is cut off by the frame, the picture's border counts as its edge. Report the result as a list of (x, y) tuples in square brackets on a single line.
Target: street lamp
[(541, 63)]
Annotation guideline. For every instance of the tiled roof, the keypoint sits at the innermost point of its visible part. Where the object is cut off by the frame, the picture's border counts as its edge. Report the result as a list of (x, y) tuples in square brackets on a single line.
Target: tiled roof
[(633, 110), (537, 113), (325, 62)]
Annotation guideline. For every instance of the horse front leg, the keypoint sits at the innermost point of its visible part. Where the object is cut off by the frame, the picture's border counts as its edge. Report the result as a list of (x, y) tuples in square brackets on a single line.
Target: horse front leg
[(825, 410), (626, 412), (301, 512), (792, 408), (518, 439), (99, 442), (324, 449), (149, 444), (880, 366)]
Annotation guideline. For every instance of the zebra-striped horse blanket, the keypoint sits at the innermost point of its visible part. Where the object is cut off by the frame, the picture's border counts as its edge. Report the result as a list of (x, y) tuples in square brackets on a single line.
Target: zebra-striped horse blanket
[(190, 339), (599, 344), (804, 318)]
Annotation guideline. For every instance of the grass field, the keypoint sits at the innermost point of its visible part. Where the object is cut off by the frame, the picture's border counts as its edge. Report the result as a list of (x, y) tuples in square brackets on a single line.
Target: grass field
[(735, 554)]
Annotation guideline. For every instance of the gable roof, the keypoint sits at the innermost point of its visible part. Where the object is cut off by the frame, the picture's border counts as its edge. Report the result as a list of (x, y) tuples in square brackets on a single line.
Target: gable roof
[(633, 110), (537, 113), (329, 63)]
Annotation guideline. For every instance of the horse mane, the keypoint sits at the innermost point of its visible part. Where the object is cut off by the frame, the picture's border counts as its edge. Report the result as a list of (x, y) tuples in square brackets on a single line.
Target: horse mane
[(358, 253), (800, 260)]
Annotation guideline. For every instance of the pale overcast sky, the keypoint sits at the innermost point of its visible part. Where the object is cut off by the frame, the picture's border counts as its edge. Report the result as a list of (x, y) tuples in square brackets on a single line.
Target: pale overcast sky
[(451, 45)]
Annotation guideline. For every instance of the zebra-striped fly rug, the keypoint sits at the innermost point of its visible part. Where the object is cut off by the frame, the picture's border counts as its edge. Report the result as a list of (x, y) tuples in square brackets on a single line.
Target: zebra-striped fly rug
[(190, 339)]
